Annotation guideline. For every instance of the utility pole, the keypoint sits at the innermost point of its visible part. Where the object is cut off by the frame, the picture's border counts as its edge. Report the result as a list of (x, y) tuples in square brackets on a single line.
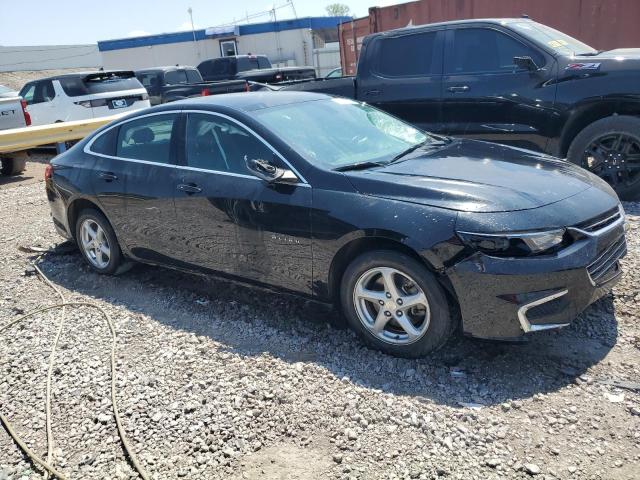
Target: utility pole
[(193, 30)]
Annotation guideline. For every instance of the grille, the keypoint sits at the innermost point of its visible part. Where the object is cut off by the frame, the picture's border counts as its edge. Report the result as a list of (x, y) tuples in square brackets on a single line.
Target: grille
[(605, 264), (601, 221)]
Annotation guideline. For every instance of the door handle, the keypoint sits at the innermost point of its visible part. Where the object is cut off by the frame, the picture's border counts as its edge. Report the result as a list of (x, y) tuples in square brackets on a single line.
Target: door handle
[(189, 188), (108, 176), (459, 88), (373, 93)]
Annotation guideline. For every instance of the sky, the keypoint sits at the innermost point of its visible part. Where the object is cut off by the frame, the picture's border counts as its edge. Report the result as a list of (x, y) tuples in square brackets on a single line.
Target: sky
[(58, 22)]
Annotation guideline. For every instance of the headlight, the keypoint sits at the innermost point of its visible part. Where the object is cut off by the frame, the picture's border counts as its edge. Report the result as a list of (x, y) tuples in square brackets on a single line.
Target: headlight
[(515, 244)]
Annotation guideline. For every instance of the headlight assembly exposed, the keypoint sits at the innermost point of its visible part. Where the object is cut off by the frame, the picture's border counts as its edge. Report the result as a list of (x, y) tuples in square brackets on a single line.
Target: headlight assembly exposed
[(515, 244)]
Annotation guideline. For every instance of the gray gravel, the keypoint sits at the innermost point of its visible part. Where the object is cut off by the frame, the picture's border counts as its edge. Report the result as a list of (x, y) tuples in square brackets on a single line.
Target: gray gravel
[(219, 380)]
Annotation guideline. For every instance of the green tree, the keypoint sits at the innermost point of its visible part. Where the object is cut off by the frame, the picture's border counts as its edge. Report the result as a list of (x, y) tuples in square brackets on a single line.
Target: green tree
[(338, 10)]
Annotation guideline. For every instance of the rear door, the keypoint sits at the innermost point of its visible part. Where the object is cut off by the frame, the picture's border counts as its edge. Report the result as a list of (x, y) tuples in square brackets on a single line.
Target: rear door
[(134, 182), (233, 222), (485, 96), (40, 98), (404, 77)]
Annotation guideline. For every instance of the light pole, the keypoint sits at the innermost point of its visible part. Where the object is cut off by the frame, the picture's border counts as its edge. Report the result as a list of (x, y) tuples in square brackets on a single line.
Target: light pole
[(193, 30)]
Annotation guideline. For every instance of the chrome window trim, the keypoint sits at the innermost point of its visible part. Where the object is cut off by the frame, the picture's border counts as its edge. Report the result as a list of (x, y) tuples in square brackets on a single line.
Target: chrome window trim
[(87, 147)]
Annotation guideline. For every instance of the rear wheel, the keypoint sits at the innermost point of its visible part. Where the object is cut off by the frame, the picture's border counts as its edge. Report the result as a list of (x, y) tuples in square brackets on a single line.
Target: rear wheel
[(395, 304), (610, 148), (97, 242)]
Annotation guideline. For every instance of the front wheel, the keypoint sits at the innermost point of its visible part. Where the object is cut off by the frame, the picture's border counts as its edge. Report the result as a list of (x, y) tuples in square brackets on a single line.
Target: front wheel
[(610, 148), (395, 304)]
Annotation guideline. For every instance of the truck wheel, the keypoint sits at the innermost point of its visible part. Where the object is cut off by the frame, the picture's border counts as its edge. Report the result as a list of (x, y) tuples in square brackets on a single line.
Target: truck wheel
[(13, 165), (395, 304), (610, 148)]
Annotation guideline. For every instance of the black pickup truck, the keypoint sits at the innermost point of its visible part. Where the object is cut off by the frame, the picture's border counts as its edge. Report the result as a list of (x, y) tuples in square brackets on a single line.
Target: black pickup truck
[(254, 68), (512, 81), (167, 84)]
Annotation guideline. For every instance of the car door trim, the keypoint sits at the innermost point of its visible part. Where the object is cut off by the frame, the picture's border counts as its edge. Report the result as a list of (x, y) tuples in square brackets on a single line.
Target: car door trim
[(88, 151)]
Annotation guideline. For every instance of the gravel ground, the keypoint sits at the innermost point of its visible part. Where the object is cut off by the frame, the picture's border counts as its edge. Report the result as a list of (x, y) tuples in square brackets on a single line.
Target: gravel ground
[(218, 380)]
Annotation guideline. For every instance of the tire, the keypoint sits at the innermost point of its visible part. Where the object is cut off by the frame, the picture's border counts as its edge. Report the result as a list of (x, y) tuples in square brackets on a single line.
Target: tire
[(13, 165), (594, 144), (369, 269), (112, 264)]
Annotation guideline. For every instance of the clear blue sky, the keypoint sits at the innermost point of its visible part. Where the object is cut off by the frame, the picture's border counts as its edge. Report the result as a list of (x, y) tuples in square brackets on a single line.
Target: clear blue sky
[(51, 22)]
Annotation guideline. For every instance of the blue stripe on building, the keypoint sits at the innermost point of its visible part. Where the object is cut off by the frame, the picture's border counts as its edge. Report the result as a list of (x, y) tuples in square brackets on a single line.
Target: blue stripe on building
[(313, 23)]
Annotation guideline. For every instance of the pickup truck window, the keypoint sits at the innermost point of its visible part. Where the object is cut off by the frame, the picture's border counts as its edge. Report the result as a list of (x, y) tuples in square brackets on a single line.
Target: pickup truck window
[(175, 77), (247, 63), (407, 55), (498, 50), (263, 62), (193, 76), (148, 80)]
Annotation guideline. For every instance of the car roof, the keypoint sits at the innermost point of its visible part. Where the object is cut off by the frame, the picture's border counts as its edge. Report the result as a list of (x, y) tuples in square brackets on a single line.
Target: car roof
[(249, 101), (426, 26), (77, 74)]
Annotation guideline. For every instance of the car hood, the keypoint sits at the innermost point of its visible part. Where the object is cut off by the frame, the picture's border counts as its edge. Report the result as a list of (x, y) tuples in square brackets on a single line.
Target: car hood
[(474, 176)]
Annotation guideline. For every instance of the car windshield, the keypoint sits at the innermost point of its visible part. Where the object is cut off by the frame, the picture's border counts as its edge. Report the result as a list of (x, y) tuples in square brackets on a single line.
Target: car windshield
[(337, 132), (561, 42)]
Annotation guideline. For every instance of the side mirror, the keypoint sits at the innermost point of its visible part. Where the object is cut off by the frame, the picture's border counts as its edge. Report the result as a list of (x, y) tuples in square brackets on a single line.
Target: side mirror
[(268, 172), (526, 63)]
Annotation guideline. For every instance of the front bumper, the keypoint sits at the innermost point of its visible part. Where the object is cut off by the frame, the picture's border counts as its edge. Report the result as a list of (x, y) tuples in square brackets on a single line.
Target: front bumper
[(508, 297)]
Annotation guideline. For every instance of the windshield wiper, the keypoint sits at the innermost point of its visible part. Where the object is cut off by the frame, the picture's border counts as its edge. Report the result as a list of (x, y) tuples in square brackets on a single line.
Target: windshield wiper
[(357, 166), (443, 141)]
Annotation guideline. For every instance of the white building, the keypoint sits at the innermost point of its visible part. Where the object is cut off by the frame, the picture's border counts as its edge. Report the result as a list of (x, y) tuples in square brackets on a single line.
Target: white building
[(286, 42)]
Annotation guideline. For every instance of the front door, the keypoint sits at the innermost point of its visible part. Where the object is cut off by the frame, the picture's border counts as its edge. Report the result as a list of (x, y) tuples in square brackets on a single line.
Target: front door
[(485, 96), (405, 78), (231, 221)]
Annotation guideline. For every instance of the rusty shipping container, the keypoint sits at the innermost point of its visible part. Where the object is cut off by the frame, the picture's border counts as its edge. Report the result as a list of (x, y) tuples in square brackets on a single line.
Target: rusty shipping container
[(603, 24)]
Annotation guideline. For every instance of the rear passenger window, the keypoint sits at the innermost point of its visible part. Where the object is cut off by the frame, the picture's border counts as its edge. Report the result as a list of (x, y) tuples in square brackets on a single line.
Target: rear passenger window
[(148, 138), (407, 56), (497, 51), (175, 77), (193, 76), (214, 143)]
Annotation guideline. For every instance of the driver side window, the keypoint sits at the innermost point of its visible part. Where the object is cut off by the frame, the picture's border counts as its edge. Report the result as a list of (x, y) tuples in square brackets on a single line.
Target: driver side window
[(215, 143)]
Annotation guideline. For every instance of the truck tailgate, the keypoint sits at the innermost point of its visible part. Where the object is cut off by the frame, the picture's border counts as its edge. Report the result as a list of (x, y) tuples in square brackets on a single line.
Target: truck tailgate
[(11, 115)]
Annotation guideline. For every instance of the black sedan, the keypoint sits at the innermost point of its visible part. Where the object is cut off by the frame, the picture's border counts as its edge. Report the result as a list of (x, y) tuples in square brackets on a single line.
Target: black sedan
[(411, 234)]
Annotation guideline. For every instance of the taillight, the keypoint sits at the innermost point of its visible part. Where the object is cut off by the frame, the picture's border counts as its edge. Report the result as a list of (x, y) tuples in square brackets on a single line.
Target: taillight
[(48, 172), (205, 92), (27, 117), (247, 87)]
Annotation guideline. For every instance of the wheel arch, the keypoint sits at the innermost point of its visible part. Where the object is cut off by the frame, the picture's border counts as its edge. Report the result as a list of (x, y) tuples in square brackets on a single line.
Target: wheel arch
[(585, 115), (367, 243), (75, 207)]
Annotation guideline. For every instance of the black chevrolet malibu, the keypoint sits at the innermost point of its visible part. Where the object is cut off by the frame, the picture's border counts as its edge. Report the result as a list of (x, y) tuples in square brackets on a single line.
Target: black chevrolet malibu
[(412, 235)]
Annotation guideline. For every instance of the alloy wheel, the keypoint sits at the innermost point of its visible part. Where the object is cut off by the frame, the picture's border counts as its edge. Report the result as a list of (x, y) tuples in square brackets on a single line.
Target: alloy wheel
[(391, 305), (614, 157), (95, 243)]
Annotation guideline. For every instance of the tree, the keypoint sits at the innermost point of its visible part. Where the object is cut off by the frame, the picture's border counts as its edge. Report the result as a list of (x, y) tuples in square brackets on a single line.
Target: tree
[(338, 10)]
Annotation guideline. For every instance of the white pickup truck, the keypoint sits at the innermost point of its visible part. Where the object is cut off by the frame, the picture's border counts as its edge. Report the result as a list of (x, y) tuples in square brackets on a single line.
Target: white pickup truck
[(13, 114)]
